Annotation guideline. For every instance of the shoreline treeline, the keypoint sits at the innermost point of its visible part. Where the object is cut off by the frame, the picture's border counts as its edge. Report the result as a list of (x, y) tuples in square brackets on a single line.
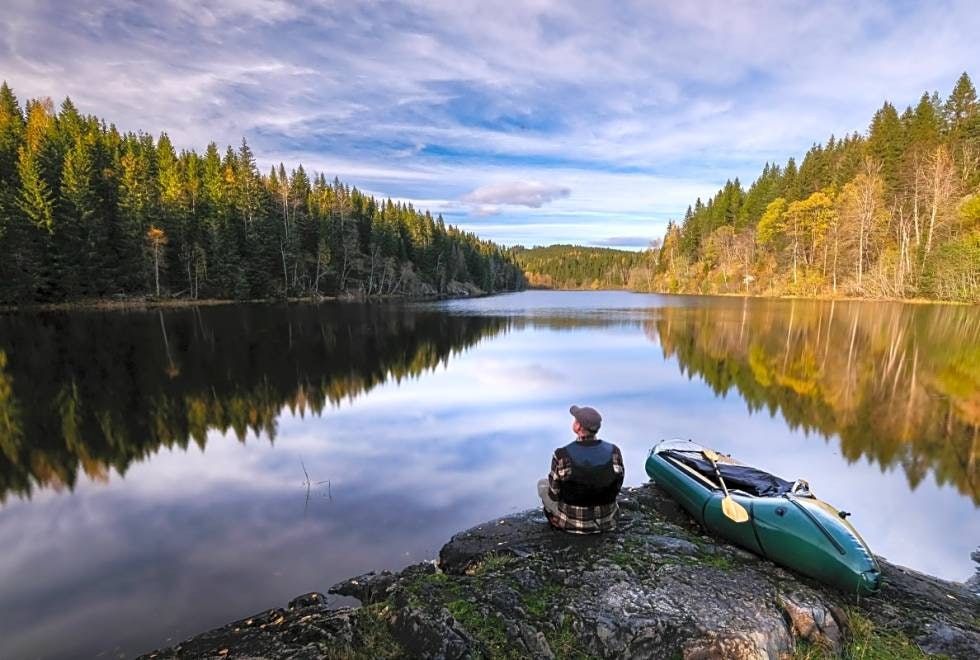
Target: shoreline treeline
[(89, 212), (891, 214), (576, 267), (894, 214)]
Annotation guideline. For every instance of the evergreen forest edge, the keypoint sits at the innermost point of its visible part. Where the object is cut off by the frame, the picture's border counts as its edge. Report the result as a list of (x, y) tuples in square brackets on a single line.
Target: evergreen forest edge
[(89, 213)]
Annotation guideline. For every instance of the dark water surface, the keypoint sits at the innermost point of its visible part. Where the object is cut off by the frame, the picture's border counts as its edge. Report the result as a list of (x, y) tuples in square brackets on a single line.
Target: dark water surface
[(166, 472)]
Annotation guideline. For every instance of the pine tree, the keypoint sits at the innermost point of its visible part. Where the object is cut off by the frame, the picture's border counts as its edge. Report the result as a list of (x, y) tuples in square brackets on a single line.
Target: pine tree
[(17, 266), (172, 215), (75, 254), (961, 105), (886, 142), (789, 187), (11, 133)]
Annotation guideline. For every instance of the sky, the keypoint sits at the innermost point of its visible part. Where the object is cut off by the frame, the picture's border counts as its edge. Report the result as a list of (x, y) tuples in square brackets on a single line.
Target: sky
[(531, 122)]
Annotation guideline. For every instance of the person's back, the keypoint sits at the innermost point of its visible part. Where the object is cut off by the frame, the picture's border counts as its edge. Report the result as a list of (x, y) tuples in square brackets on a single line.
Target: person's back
[(580, 493)]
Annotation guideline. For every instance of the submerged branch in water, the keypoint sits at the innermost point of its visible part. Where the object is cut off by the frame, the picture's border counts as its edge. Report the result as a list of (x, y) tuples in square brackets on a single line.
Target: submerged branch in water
[(309, 484)]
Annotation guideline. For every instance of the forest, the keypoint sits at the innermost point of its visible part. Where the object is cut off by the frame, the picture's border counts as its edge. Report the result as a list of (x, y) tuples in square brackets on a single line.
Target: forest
[(893, 213), (576, 267), (89, 213)]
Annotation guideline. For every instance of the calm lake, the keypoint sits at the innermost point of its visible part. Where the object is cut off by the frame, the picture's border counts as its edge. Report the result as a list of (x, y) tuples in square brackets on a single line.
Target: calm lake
[(164, 472)]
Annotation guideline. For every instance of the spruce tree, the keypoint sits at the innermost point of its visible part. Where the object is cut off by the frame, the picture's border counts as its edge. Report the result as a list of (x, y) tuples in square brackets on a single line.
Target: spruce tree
[(75, 254), (961, 105), (886, 142)]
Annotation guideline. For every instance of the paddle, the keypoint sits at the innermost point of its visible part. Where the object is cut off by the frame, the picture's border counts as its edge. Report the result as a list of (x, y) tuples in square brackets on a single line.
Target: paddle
[(729, 507)]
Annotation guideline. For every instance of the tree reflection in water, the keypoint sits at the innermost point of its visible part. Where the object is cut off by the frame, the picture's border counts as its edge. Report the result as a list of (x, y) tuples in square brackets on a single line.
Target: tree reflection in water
[(96, 391), (899, 384)]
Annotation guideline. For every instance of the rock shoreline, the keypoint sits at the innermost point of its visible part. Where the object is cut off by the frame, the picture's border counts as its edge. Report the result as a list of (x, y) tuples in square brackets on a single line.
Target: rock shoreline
[(657, 587)]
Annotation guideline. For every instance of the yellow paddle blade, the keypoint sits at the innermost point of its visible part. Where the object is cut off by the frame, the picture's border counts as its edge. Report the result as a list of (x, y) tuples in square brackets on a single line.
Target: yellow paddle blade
[(733, 510), (710, 455)]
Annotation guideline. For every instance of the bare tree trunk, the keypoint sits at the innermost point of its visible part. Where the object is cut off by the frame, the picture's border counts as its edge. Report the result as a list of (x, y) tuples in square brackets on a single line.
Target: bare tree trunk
[(826, 251), (343, 271), (285, 271), (374, 255), (439, 274), (915, 202), (836, 251), (941, 182), (156, 267), (795, 241), (316, 282), (745, 263), (384, 276), (397, 287), (861, 251), (933, 212)]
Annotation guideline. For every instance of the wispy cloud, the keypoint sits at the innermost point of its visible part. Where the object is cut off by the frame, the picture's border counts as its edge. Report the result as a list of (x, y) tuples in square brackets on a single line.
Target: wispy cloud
[(532, 194), (443, 100)]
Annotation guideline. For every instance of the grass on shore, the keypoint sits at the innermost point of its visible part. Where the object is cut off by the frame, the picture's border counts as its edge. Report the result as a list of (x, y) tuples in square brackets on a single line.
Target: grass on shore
[(867, 642)]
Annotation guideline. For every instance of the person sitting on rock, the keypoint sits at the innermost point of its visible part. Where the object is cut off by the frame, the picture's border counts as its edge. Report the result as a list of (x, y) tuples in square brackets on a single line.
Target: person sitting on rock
[(579, 495)]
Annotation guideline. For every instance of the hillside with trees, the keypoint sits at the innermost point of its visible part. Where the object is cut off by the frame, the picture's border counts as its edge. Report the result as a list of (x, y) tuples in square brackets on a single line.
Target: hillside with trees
[(87, 212), (577, 267), (894, 213)]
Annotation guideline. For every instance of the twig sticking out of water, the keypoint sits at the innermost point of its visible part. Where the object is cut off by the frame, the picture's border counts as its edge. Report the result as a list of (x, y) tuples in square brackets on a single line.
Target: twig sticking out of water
[(309, 485)]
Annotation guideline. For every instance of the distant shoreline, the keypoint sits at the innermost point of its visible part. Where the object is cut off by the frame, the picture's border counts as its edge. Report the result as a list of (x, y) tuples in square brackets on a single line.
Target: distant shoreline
[(759, 296), (108, 304), (102, 304)]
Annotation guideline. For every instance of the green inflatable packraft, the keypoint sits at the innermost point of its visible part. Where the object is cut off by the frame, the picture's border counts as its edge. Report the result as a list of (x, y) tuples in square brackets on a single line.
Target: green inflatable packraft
[(786, 523)]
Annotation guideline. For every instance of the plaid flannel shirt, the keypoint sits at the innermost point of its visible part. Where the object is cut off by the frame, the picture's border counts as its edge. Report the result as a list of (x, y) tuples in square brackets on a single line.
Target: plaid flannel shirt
[(582, 519)]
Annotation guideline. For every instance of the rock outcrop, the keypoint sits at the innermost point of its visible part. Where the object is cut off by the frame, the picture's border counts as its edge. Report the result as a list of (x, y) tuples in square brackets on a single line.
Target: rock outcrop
[(657, 587)]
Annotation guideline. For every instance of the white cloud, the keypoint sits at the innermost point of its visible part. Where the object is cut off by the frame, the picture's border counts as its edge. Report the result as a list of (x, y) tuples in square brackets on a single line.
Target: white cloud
[(533, 194)]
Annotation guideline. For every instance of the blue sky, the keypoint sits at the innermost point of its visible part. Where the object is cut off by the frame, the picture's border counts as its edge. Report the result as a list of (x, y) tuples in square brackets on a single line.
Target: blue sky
[(525, 122)]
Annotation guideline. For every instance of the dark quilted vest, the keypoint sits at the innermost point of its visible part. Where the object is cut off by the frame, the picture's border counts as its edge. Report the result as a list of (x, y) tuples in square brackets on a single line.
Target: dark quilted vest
[(593, 480)]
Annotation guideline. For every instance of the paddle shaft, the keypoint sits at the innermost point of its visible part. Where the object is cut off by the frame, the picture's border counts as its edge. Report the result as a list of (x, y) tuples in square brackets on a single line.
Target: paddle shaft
[(729, 506), (714, 466)]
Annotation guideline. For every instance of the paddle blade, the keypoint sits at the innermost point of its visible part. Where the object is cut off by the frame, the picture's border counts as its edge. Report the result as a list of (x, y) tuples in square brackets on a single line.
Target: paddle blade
[(733, 510), (710, 455)]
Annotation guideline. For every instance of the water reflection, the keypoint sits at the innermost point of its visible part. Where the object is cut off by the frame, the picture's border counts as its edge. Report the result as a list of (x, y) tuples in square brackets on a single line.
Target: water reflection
[(898, 384), (96, 392), (114, 511)]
